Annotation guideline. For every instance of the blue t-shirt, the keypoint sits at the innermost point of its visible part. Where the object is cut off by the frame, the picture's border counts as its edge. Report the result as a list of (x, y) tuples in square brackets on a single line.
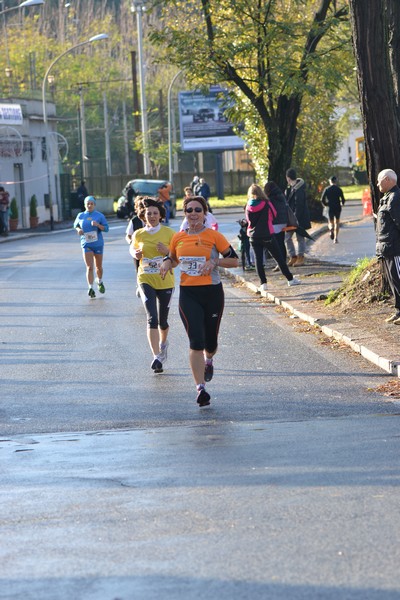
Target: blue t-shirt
[(92, 236)]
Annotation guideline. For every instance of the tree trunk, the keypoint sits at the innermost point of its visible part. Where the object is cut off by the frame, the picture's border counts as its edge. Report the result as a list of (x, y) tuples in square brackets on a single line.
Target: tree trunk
[(370, 27)]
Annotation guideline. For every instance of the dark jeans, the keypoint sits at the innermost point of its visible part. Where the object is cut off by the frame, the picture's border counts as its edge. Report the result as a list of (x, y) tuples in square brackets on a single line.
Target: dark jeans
[(272, 246)]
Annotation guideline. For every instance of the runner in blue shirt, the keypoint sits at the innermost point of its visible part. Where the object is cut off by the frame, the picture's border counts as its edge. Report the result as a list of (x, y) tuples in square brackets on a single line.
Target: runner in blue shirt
[(90, 225)]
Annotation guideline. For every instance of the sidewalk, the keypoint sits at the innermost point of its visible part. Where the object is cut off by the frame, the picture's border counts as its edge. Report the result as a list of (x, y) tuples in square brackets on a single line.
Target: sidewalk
[(372, 338)]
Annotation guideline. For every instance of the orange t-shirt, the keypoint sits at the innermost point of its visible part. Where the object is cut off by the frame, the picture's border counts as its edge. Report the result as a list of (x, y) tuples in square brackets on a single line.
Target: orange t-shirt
[(193, 250)]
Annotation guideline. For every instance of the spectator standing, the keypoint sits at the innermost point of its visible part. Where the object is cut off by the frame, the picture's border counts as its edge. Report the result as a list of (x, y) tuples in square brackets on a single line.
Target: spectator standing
[(260, 214), (164, 195), (4, 207), (278, 200), (333, 198), (204, 190), (388, 235), (194, 183), (247, 265), (82, 193), (296, 197)]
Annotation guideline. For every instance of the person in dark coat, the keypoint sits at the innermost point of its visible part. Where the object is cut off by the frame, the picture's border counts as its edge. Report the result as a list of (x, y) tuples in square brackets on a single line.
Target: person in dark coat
[(296, 197), (204, 190), (388, 235), (82, 193), (333, 198)]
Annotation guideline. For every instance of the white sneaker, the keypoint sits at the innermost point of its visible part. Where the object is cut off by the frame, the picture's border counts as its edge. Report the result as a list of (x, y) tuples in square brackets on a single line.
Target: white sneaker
[(263, 287), (294, 281), (162, 356)]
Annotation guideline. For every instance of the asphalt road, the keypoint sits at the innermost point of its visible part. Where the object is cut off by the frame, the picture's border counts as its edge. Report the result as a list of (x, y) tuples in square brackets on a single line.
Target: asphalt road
[(115, 485)]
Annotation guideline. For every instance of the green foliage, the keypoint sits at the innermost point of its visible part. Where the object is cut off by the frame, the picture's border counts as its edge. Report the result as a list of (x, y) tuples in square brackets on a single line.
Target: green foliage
[(349, 282), (270, 55), (33, 206), (258, 50), (13, 209)]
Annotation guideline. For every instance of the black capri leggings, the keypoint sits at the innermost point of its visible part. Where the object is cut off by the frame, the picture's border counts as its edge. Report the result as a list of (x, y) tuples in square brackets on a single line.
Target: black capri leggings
[(150, 298), (201, 309)]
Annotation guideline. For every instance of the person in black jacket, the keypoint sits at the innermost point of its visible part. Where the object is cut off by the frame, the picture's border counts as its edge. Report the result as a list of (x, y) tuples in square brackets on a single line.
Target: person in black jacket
[(296, 197), (388, 235), (333, 198)]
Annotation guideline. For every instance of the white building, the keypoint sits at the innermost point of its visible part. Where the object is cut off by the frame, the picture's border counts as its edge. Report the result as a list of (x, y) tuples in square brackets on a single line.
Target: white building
[(24, 168)]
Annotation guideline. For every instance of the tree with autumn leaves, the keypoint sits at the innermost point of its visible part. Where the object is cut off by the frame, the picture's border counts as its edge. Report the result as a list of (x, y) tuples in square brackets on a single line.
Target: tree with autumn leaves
[(270, 55)]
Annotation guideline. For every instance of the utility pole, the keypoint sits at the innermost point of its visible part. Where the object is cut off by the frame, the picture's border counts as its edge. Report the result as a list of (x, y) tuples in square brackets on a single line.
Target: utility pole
[(107, 135), (139, 7), (136, 111), (126, 144), (83, 134)]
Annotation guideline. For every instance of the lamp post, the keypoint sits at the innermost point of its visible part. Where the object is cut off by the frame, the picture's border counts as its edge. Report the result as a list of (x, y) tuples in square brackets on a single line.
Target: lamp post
[(170, 174), (139, 7), (25, 4), (96, 38)]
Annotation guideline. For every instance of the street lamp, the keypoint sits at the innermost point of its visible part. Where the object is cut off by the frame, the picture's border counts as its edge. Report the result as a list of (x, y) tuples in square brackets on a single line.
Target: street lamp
[(22, 5), (139, 7), (96, 38)]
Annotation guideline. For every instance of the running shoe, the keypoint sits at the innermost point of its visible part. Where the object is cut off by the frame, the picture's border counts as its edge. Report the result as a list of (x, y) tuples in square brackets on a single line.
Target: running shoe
[(163, 355), (332, 233), (294, 281), (208, 371), (91, 293), (101, 287), (156, 365), (263, 287), (203, 398), (393, 318)]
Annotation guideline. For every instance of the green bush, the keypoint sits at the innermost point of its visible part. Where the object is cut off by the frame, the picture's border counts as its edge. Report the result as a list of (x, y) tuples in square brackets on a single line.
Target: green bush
[(33, 207), (13, 209)]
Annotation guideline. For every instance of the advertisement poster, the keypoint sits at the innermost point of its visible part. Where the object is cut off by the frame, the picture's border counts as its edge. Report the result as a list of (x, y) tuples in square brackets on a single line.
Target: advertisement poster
[(203, 123), (11, 114)]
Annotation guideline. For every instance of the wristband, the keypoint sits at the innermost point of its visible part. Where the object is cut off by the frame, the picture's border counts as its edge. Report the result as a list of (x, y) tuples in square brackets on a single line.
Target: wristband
[(167, 258)]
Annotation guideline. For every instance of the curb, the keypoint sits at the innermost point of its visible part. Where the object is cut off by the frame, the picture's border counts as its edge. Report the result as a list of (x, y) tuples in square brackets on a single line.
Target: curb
[(388, 365)]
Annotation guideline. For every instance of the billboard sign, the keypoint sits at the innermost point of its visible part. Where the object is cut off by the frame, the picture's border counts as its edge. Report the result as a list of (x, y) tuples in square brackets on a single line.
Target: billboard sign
[(11, 114), (203, 123)]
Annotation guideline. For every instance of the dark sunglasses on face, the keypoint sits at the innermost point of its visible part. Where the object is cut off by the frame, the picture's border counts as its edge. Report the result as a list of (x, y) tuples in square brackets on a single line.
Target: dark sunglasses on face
[(196, 209)]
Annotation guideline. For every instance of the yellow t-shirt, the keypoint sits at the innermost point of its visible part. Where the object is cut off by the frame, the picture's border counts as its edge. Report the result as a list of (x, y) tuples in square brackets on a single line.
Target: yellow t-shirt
[(193, 250), (149, 265)]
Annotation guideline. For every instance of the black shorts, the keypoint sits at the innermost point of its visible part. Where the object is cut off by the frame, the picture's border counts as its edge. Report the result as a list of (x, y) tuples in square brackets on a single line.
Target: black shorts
[(334, 212), (201, 309)]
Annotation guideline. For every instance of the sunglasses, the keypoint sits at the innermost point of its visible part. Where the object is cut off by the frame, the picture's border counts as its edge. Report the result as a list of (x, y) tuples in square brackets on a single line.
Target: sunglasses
[(197, 209)]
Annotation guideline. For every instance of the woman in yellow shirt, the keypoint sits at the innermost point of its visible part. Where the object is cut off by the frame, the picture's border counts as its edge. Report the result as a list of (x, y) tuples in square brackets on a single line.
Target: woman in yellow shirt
[(149, 245), (197, 250)]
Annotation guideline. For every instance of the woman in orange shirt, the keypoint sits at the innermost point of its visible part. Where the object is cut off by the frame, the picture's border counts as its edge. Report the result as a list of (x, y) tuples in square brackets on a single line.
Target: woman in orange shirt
[(197, 250)]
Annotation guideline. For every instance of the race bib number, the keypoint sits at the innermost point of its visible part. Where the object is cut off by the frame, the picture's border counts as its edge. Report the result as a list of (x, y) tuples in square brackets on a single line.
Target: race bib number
[(90, 236), (152, 265), (192, 265)]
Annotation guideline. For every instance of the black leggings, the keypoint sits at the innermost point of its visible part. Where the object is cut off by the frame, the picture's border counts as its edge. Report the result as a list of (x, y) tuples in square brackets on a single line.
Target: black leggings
[(201, 309), (273, 248), (150, 298)]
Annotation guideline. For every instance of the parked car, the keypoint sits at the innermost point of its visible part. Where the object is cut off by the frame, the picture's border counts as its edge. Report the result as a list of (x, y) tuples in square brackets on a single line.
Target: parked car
[(142, 187), (203, 115)]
